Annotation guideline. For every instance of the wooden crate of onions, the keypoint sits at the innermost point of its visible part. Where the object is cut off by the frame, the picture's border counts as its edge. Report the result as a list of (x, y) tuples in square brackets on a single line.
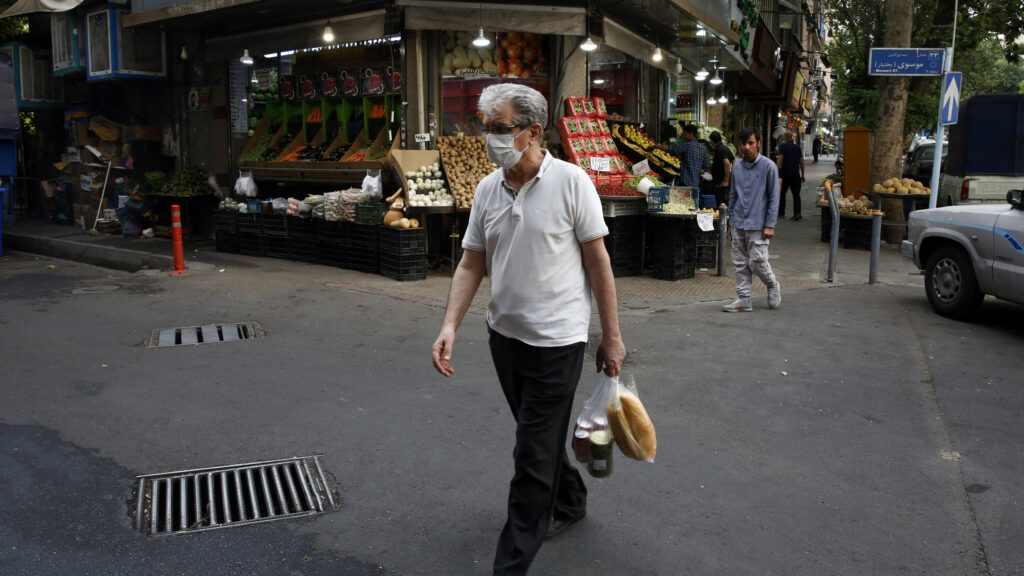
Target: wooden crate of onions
[(465, 163)]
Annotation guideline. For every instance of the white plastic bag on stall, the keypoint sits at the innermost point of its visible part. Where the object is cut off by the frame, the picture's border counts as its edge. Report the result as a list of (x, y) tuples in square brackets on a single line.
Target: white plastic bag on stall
[(245, 185), (372, 184)]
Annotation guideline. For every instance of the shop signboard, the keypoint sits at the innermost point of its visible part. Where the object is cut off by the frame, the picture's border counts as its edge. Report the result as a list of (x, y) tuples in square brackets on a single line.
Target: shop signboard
[(798, 86)]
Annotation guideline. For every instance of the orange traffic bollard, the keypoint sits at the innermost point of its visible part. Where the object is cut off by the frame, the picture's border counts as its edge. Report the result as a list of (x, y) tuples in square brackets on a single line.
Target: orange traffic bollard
[(179, 254)]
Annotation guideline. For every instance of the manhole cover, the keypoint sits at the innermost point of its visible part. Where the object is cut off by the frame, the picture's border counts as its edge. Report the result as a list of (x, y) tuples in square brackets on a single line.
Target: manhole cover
[(206, 334), (226, 496)]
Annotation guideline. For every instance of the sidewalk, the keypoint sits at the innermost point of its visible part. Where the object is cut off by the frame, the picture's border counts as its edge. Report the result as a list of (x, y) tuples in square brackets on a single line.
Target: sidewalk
[(798, 258)]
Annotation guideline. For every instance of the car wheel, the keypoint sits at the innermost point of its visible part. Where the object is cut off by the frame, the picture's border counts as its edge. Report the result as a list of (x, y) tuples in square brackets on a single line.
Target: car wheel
[(950, 283)]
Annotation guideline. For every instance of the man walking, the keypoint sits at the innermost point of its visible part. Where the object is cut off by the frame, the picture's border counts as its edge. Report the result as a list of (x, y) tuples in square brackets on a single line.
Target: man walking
[(791, 169), (721, 166), (693, 159), (536, 229), (753, 210)]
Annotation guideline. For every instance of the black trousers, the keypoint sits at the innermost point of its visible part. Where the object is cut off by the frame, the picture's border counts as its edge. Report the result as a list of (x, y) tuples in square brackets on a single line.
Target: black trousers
[(787, 183), (721, 196), (539, 385)]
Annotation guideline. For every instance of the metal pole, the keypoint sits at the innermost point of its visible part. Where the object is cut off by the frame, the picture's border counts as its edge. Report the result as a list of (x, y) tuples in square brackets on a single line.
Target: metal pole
[(876, 241), (833, 250), (947, 65), (723, 226)]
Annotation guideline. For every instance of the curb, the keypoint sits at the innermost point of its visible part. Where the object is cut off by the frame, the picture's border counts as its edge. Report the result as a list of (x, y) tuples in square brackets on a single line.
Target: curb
[(104, 256)]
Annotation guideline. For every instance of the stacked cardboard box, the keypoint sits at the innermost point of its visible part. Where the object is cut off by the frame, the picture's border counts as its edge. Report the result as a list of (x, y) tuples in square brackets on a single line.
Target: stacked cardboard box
[(587, 140)]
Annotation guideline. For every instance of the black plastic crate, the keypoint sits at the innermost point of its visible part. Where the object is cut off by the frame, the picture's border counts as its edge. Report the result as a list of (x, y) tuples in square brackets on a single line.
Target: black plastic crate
[(227, 242), (362, 235), (330, 254), (671, 229), (404, 267), (300, 228), (274, 225), (402, 241), (225, 221), (675, 269), (250, 245), (620, 224), (627, 268), (707, 256), (249, 224), (370, 212), (330, 232), (275, 247), (304, 250), (362, 259)]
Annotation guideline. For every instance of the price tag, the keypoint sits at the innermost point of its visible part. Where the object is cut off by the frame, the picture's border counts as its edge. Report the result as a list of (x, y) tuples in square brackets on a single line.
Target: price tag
[(423, 137), (601, 164), (706, 221), (641, 167)]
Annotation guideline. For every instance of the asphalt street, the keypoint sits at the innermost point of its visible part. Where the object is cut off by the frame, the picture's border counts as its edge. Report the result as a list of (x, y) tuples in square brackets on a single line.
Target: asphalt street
[(850, 432)]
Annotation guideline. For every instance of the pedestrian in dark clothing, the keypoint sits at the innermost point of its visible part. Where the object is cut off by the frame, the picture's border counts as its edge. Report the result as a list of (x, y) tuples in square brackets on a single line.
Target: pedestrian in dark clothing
[(816, 147), (791, 170), (721, 168), (693, 159), (537, 232)]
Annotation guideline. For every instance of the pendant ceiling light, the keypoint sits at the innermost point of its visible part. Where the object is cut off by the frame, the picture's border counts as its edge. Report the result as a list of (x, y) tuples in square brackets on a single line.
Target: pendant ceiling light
[(588, 45), (328, 33), (480, 41), (246, 59), (716, 80), (657, 54), (598, 81), (723, 99), (711, 101)]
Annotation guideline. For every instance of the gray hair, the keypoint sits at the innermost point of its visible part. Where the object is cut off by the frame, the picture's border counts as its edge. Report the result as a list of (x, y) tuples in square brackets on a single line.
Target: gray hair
[(530, 105)]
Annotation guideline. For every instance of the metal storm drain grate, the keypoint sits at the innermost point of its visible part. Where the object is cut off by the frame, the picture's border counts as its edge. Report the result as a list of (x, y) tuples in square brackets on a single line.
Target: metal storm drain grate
[(196, 500), (194, 335)]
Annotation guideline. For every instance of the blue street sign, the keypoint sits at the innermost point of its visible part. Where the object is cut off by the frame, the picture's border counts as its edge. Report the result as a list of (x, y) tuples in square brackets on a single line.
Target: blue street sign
[(949, 107), (905, 61)]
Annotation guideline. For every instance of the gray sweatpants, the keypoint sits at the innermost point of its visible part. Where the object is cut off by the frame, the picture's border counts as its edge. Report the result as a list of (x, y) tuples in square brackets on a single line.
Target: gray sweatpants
[(750, 257)]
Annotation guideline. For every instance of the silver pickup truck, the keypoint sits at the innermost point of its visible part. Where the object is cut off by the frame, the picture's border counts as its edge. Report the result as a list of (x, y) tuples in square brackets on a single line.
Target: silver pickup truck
[(967, 251)]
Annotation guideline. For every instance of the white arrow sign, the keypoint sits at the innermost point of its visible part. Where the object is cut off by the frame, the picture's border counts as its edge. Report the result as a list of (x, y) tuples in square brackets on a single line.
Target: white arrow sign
[(951, 97)]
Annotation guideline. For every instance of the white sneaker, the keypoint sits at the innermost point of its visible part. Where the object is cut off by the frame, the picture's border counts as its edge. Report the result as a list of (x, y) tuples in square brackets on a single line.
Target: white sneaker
[(740, 305), (774, 295)]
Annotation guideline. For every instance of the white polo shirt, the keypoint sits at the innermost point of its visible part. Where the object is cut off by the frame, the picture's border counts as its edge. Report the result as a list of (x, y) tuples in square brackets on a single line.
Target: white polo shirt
[(540, 293)]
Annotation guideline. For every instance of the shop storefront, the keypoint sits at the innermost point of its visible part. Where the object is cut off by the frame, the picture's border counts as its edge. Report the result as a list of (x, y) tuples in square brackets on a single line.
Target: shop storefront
[(376, 138)]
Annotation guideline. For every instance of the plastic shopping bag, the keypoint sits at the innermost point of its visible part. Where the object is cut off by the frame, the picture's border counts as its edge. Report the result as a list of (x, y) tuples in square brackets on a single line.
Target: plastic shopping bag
[(592, 427), (631, 427), (245, 185)]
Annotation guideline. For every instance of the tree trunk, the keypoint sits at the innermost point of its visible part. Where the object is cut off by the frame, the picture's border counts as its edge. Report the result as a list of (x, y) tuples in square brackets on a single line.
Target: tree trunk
[(887, 141)]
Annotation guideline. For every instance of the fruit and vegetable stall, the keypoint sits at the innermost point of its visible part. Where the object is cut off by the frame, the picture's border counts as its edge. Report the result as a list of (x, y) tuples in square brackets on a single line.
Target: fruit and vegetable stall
[(653, 227)]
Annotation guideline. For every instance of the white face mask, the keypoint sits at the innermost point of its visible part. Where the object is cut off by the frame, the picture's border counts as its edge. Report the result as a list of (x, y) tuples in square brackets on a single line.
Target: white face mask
[(501, 149)]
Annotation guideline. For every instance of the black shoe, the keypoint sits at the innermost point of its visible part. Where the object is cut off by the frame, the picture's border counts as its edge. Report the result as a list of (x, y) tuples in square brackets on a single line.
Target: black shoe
[(797, 218), (559, 526)]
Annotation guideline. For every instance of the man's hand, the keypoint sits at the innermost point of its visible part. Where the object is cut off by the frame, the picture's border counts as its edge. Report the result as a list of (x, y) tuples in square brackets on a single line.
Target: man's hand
[(442, 351), (610, 355), (768, 233)]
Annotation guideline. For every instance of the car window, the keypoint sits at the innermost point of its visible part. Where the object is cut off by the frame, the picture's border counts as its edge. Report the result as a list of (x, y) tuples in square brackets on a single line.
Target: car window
[(927, 153)]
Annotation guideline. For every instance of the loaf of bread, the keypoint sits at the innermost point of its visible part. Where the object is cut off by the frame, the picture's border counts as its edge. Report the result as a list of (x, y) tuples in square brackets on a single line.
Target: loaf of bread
[(632, 427)]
